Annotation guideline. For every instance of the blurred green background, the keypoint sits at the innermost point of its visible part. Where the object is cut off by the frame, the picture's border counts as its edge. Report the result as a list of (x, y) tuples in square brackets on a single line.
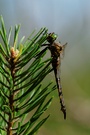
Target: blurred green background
[(70, 19)]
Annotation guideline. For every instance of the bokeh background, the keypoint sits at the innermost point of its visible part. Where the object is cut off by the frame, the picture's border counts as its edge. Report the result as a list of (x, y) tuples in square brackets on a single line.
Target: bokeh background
[(70, 19)]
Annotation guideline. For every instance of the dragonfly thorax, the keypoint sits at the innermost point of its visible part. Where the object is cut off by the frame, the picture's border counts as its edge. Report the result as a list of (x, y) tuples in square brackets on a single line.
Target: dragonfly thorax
[(55, 49)]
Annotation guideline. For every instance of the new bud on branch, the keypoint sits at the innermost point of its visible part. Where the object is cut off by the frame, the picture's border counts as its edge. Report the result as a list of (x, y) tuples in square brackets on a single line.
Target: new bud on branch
[(14, 53)]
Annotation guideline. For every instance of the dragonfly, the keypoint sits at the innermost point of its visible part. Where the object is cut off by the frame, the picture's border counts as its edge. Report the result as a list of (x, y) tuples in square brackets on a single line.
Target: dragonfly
[(57, 50)]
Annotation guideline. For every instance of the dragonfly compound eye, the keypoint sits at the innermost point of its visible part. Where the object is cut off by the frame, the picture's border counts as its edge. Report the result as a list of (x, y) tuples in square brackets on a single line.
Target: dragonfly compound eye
[(51, 37)]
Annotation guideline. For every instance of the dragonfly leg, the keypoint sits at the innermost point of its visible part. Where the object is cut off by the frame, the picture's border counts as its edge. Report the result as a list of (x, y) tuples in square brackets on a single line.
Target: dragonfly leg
[(39, 54)]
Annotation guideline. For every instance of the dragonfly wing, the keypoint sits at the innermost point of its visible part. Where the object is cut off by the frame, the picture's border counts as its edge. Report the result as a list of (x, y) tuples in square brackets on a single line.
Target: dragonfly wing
[(62, 52)]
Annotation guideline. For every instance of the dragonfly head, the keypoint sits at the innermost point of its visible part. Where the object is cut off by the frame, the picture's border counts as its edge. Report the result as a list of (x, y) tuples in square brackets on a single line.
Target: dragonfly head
[(51, 37)]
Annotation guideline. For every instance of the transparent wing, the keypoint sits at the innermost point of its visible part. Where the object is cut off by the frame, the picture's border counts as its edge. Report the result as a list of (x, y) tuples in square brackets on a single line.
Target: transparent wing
[(63, 50)]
